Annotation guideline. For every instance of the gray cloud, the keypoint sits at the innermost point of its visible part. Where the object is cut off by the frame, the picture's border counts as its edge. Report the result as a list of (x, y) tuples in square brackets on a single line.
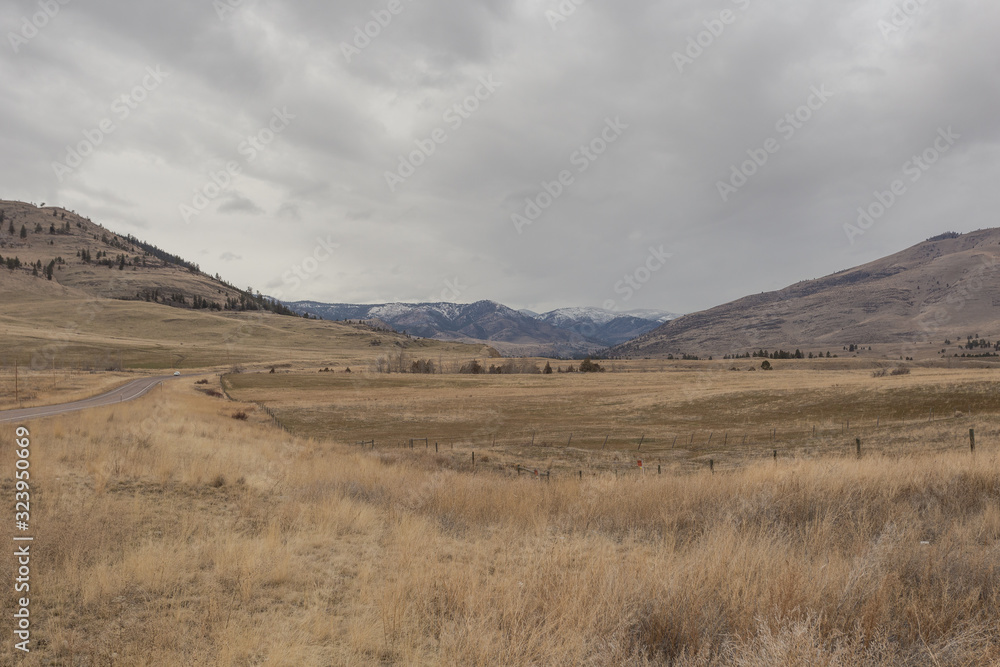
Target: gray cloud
[(323, 176)]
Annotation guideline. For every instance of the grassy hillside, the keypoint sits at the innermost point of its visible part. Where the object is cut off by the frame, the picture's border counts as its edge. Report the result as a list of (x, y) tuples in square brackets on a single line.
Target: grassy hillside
[(100, 262), (907, 304)]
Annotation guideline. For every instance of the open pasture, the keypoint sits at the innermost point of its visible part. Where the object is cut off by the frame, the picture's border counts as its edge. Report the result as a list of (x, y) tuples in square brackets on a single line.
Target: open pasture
[(681, 417)]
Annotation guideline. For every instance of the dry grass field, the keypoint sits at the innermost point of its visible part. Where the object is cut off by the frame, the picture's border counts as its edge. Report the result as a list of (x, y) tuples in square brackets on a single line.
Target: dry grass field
[(169, 533), (683, 416)]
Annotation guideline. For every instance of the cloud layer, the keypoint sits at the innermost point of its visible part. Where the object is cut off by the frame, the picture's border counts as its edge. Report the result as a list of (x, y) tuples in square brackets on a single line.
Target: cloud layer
[(535, 152)]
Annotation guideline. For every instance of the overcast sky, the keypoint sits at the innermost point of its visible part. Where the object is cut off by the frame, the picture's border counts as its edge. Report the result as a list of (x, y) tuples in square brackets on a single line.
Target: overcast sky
[(140, 115)]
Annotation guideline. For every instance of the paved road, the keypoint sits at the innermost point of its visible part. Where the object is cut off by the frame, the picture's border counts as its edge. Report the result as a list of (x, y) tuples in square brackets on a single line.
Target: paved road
[(128, 392)]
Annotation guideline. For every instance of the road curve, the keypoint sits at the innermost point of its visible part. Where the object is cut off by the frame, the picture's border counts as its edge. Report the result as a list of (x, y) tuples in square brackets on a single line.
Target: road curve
[(127, 392)]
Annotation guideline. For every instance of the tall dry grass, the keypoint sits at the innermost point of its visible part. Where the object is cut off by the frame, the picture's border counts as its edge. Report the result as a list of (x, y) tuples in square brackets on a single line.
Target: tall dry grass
[(169, 533)]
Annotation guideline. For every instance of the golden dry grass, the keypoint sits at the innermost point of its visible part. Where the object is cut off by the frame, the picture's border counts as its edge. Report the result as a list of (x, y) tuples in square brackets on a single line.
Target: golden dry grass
[(170, 533), (684, 416)]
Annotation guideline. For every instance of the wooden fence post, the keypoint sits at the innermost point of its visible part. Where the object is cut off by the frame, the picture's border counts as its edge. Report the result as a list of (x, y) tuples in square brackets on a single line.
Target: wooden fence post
[(858, 441), (711, 465), (972, 439), (605, 441), (640, 442)]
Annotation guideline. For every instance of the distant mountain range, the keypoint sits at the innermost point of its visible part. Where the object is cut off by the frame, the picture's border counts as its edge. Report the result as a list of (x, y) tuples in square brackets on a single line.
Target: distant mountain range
[(565, 332)]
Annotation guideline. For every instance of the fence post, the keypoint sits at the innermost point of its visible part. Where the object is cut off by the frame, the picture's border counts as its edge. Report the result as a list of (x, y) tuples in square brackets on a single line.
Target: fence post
[(711, 465), (473, 460), (858, 441), (435, 447), (972, 439), (675, 443), (659, 469), (710, 434), (605, 441), (640, 442), (776, 456), (532, 438), (570, 440), (581, 475)]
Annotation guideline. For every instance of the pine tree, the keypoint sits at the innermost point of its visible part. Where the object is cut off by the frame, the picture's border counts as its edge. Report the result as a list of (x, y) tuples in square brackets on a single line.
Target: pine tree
[(24, 232)]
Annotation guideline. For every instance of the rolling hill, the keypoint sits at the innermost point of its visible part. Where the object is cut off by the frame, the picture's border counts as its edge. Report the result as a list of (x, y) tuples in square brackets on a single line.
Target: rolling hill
[(85, 255), (909, 303)]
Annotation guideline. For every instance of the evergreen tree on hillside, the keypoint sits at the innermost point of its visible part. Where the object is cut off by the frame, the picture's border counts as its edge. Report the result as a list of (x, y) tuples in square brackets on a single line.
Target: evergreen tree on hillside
[(24, 232)]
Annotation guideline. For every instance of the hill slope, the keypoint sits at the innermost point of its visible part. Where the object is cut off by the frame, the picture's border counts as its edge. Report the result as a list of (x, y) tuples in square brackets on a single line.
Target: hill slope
[(87, 256), (946, 287)]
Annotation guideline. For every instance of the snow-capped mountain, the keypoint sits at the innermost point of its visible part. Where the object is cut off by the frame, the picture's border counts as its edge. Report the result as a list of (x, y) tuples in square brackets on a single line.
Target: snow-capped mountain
[(563, 332), (607, 326), (489, 322)]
